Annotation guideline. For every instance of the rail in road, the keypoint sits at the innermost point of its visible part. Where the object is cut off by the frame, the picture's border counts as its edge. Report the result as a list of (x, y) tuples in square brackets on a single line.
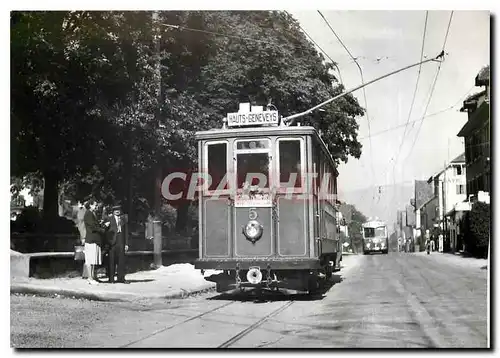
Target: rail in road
[(388, 301), (228, 343), (254, 326)]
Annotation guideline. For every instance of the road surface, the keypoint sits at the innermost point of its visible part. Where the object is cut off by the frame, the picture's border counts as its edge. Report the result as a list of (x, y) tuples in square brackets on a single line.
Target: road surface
[(377, 301)]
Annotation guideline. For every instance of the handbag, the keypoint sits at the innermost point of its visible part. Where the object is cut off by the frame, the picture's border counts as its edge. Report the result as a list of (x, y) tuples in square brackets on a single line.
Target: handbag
[(79, 253)]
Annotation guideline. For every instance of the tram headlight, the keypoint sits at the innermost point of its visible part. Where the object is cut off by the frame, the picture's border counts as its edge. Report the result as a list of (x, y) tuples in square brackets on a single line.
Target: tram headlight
[(253, 230), (254, 275)]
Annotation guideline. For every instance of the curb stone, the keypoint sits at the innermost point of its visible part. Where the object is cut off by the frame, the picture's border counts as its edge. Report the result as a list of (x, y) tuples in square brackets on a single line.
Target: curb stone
[(103, 295)]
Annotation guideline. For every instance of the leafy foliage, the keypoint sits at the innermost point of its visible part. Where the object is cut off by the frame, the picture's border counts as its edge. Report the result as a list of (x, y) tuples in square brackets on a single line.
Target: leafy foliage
[(97, 105), (475, 227), (355, 226)]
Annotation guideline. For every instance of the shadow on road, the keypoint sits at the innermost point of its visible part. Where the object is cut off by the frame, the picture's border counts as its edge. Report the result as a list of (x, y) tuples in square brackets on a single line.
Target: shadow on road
[(128, 281), (264, 296)]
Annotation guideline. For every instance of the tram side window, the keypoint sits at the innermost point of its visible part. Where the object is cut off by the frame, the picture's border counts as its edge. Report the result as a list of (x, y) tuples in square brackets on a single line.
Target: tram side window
[(316, 170), (217, 164), (290, 164), (327, 182)]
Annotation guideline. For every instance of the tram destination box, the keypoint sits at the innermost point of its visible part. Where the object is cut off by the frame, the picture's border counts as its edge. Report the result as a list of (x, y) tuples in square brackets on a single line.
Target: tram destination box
[(252, 118)]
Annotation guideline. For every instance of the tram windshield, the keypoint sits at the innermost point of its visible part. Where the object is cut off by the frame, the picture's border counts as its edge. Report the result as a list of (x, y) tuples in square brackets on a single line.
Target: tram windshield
[(252, 168), (374, 232)]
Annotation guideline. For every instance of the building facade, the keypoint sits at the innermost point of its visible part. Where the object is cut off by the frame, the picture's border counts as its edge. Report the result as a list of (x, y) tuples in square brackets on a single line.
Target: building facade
[(449, 188), (476, 134), (423, 193)]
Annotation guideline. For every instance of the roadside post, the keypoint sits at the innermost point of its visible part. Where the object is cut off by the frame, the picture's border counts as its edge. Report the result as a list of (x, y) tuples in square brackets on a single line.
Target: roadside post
[(157, 243), (153, 232)]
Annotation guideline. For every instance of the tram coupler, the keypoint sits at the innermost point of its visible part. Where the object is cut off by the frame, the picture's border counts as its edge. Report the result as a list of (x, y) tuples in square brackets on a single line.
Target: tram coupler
[(238, 278), (269, 278)]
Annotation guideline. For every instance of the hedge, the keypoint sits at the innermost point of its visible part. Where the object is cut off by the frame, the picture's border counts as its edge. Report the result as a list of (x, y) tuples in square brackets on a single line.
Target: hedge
[(475, 227)]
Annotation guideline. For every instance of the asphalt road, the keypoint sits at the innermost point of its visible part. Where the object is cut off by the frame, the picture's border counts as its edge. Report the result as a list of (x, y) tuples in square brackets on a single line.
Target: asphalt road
[(377, 301)]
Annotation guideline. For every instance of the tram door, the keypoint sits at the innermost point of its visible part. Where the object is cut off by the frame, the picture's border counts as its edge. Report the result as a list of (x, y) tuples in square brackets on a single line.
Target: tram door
[(254, 230), (291, 202), (215, 213)]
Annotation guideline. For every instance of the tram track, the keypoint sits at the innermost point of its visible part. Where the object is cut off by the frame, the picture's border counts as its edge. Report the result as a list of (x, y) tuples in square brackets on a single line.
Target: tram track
[(229, 342), (177, 324), (254, 326)]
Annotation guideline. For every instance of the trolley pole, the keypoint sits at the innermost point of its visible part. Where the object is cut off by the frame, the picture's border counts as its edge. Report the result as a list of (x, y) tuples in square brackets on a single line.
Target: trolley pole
[(291, 119)]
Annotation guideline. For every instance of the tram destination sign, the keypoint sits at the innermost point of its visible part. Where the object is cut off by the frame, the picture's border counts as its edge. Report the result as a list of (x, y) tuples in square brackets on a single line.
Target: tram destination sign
[(252, 118)]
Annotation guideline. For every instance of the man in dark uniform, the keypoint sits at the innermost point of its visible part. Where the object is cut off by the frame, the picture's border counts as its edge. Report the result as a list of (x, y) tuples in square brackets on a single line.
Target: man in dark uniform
[(118, 237)]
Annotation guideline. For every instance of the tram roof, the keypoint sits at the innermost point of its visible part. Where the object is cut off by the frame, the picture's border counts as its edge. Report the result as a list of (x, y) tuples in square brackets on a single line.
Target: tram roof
[(222, 133), (252, 131), (374, 224)]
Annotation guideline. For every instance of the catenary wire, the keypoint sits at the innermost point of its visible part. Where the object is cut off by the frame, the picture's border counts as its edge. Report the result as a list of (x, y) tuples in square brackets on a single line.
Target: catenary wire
[(420, 119), (432, 89), (416, 87), (362, 82), (324, 52)]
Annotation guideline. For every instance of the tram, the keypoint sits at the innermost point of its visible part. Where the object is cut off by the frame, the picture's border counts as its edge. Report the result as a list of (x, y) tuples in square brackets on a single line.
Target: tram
[(375, 237), (267, 216)]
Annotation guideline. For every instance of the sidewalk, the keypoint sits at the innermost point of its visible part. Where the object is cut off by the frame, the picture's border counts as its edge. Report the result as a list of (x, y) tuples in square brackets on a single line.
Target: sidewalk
[(174, 281)]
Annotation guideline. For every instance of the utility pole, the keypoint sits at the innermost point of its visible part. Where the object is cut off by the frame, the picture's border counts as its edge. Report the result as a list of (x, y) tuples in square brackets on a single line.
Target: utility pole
[(291, 119), (157, 234)]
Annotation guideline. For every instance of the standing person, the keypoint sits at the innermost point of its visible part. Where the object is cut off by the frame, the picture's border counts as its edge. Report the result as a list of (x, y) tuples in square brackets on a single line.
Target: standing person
[(428, 245), (92, 240), (81, 228), (433, 244), (107, 238), (118, 245)]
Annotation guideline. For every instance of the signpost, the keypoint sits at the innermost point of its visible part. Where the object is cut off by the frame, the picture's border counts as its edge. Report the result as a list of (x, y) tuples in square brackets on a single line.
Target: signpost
[(252, 118)]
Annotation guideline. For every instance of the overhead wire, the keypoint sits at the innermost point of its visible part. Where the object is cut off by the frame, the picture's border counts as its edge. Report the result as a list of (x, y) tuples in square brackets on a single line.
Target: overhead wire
[(432, 89), (362, 82), (413, 99), (416, 88), (179, 27), (420, 119), (431, 92), (324, 52)]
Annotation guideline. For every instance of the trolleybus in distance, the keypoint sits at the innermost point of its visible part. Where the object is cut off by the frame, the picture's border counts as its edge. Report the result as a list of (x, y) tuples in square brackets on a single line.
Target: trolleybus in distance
[(275, 232), (375, 237)]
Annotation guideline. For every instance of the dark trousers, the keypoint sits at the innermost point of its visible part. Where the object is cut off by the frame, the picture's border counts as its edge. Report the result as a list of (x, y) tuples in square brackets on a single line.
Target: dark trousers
[(116, 262)]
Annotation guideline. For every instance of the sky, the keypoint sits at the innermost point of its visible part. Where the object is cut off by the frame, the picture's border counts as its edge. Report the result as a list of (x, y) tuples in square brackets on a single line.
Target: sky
[(384, 41)]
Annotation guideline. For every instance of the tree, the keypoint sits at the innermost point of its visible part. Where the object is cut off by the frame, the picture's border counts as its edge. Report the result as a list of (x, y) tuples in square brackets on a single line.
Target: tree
[(355, 227), (265, 58), (475, 226), (280, 66), (85, 101), (60, 80)]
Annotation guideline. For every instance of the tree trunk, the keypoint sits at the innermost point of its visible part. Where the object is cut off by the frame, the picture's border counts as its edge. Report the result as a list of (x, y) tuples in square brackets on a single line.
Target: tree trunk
[(129, 167), (157, 191), (50, 196)]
